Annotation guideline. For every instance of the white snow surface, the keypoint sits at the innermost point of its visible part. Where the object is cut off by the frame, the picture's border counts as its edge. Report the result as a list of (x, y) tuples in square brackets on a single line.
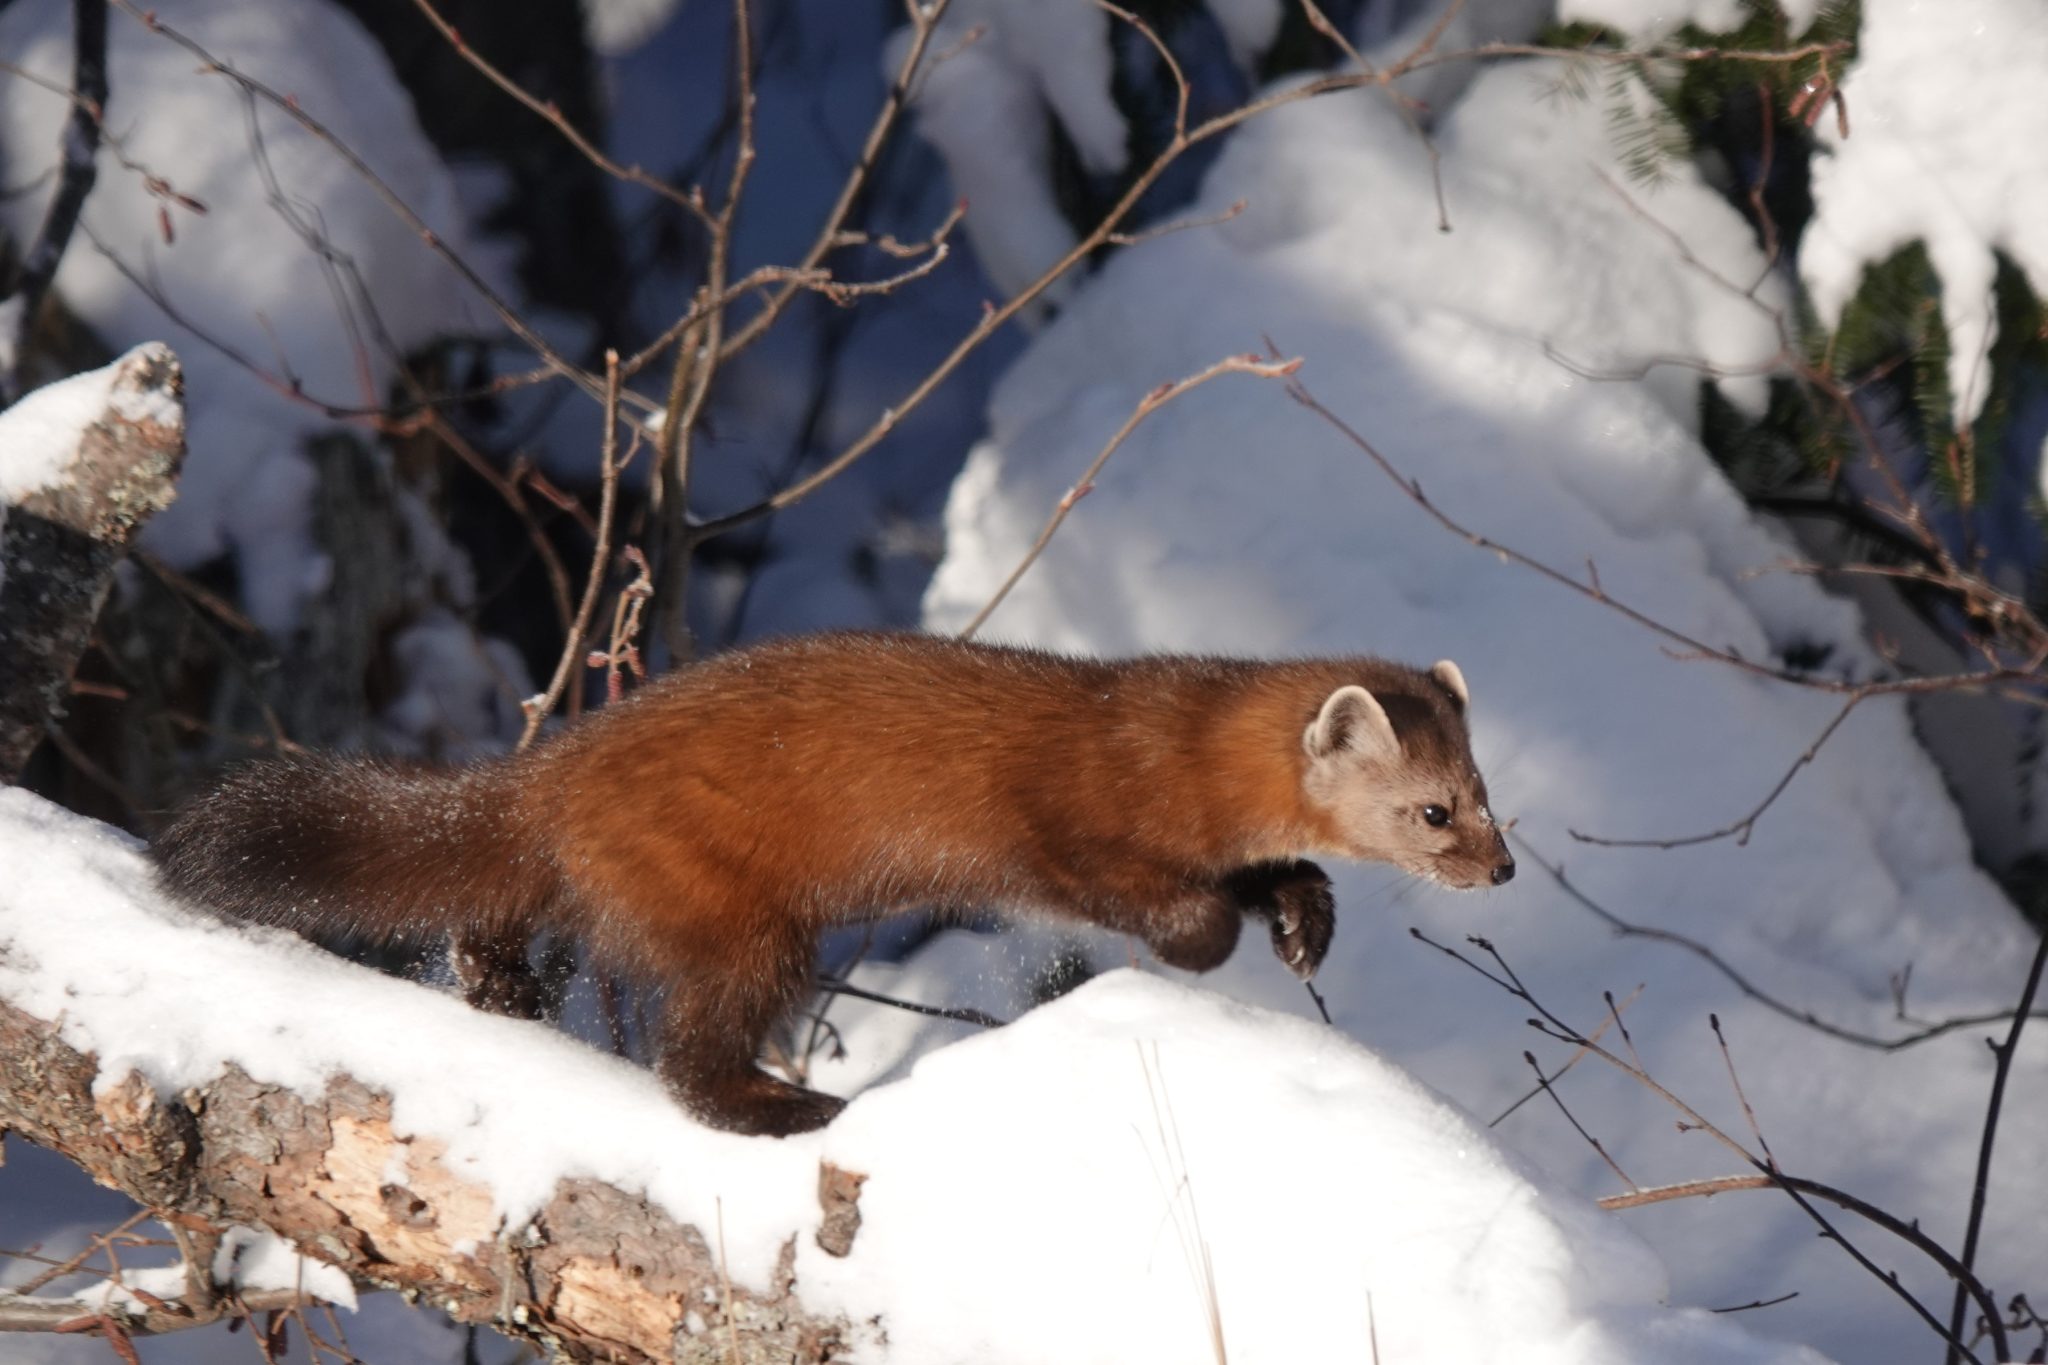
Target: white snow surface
[(39, 435), (243, 272), (1249, 27), (618, 26), (1939, 98), (1235, 522), (1653, 19), (1220, 1157)]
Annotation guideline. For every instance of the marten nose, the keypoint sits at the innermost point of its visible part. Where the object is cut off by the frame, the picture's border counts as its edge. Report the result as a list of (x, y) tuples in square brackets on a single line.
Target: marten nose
[(1504, 873)]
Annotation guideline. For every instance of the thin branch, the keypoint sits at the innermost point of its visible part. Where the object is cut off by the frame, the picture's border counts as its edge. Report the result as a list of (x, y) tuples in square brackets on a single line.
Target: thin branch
[(1550, 1025), (548, 110), (1748, 1112), (1740, 829), (81, 141), (1594, 592), (696, 367), (2002, 1054), (1613, 1017), (291, 108), (1543, 1084), (537, 711), (1904, 1230), (1149, 404), (924, 20), (1629, 929), (24, 1313), (962, 1015)]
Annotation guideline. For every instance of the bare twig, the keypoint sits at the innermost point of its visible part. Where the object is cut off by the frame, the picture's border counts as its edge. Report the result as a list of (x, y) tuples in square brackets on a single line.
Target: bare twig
[(1628, 929), (537, 710), (835, 986), (24, 1313), (1543, 1084), (548, 110), (1689, 646), (2001, 1071), (1550, 1025), (1613, 1017), (1748, 1112), (290, 107), (924, 19), (695, 369), (81, 140), (1149, 404)]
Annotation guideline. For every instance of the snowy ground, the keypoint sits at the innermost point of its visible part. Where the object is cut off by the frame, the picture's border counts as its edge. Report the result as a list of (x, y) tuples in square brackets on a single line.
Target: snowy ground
[(1082, 1144)]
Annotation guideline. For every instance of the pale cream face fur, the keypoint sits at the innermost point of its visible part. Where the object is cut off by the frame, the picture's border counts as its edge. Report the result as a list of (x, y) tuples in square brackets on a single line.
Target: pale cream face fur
[(1426, 813)]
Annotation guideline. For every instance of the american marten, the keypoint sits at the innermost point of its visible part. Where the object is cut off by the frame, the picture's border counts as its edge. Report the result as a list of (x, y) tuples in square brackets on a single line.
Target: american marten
[(700, 833)]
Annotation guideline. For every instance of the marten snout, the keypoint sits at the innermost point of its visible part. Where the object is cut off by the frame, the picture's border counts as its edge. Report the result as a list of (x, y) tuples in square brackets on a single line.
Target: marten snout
[(1504, 873)]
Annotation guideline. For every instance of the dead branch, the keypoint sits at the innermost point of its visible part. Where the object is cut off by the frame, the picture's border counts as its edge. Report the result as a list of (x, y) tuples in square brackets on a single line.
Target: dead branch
[(924, 20), (596, 1275), (1903, 1229), (61, 543), (81, 141), (548, 110), (1552, 1026), (1628, 929), (22, 1313), (1112, 221), (255, 90), (573, 649), (1740, 829), (2001, 1072), (1149, 404), (695, 369)]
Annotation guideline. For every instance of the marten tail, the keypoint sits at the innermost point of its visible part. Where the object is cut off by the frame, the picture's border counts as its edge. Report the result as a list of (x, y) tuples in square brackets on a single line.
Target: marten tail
[(326, 844)]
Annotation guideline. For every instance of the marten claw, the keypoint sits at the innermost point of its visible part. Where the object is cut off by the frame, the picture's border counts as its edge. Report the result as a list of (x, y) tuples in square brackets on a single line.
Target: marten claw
[(1303, 922)]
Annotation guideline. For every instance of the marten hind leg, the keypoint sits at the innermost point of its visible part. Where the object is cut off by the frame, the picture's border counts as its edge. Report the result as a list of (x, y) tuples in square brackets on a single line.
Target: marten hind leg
[(716, 1018), (492, 971), (1295, 901)]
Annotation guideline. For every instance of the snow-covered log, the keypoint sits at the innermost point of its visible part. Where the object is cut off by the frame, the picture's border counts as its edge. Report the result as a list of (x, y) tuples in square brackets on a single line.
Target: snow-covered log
[(83, 463), (596, 1272)]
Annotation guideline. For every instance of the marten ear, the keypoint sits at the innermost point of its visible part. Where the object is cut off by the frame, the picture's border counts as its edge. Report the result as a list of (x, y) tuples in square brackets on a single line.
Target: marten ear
[(1350, 719), (1452, 680)]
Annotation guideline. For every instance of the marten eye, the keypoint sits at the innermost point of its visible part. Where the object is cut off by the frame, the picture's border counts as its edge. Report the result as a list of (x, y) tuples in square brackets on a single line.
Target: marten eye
[(1436, 815)]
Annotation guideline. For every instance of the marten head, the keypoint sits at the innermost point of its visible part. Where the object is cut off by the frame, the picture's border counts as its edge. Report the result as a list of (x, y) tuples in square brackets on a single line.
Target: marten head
[(1394, 774)]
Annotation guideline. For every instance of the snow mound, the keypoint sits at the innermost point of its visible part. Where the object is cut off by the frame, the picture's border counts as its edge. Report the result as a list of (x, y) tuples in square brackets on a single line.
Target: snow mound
[(1158, 1163)]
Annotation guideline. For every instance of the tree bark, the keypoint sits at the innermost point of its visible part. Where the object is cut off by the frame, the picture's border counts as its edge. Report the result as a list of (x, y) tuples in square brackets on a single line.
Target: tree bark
[(596, 1275), (59, 544)]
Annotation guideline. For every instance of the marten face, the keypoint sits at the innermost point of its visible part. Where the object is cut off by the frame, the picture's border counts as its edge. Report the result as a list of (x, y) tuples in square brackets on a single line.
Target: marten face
[(1395, 776)]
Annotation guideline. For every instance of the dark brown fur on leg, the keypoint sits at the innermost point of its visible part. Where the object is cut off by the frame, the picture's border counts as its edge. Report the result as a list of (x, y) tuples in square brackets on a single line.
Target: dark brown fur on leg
[(1295, 901), (713, 1026), (491, 968), (1192, 927)]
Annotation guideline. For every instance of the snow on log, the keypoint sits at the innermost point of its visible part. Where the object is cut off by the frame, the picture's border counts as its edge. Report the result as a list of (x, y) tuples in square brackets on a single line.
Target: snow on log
[(83, 463), (596, 1273)]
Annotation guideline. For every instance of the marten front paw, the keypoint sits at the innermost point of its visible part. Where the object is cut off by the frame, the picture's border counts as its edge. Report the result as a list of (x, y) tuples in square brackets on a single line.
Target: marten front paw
[(1303, 920)]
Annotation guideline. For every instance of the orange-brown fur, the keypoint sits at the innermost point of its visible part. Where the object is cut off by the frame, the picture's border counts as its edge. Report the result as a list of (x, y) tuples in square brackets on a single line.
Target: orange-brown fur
[(704, 831)]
